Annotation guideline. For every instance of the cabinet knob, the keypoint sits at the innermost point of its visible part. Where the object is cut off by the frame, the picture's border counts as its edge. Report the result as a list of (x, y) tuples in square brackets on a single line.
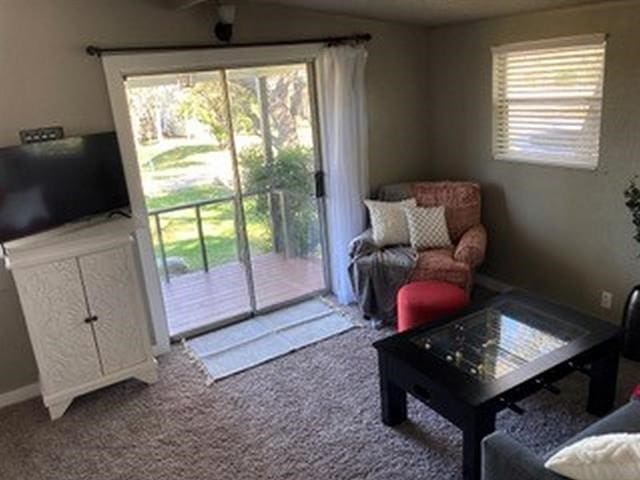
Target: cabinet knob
[(91, 319)]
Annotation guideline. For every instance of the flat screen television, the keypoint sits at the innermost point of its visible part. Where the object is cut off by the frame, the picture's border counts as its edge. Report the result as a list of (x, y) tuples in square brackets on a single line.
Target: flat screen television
[(46, 185)]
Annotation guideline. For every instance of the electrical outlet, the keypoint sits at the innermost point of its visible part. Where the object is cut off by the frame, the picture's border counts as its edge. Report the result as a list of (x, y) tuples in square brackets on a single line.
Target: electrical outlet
[(606, 299)]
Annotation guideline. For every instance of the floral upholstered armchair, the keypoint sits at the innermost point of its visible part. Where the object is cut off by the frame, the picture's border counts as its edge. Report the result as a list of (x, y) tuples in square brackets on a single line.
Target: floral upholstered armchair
[(377, 273)]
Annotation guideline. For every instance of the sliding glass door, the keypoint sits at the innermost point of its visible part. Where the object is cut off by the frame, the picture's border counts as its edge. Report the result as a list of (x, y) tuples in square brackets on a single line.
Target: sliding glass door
[(228, 161), (277, 163)]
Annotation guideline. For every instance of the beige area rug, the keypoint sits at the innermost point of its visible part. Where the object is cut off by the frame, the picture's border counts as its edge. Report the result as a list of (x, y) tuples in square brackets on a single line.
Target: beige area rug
[(244, 345)]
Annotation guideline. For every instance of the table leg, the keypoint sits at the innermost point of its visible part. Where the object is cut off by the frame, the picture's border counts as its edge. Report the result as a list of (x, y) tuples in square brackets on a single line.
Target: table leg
[(393, 399), (479, 426), (602, 386)]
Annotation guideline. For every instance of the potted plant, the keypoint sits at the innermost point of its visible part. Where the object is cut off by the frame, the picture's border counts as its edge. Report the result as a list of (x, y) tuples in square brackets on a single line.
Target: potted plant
[(631, 317)]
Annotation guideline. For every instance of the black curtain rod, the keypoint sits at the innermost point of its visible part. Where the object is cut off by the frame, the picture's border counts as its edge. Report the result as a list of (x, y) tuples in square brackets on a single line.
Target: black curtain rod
[(98, 51)]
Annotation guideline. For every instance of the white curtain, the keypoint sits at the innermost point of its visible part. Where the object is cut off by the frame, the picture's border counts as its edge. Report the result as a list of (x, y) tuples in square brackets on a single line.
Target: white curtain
[(341, 89)]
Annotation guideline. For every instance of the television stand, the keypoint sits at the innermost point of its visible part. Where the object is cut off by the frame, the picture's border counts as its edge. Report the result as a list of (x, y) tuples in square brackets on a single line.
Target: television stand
[(84, 309)]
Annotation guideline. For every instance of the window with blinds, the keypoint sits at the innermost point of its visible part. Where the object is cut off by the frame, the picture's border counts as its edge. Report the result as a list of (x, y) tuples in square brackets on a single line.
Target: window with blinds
[(547, 101)]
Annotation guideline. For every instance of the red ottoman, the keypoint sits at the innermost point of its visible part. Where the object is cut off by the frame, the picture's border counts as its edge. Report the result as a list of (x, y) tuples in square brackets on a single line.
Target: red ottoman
[(422, 302)]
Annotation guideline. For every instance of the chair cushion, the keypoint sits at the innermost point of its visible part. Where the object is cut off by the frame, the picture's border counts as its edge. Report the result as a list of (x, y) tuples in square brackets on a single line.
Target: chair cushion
[(389, 222), (422, 302), (439, 264), (626, 419), (462, 201), (613, 456), (427, 227)]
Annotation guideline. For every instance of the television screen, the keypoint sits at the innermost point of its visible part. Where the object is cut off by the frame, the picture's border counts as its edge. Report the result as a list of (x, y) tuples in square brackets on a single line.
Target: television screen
[(45, 185)]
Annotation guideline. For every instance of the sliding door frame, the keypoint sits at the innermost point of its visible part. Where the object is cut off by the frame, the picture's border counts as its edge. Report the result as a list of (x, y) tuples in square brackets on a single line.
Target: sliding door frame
[(117, 68), (240, 213)]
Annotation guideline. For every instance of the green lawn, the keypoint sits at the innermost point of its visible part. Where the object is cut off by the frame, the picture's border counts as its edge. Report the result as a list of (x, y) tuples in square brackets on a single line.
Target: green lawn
[(180, 234), (179, 229), (187, 195), (171, 153), (178, 157)]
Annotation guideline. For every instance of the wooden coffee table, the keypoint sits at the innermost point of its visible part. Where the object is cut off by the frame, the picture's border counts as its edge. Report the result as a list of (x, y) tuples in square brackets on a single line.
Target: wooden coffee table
[(470, 366)]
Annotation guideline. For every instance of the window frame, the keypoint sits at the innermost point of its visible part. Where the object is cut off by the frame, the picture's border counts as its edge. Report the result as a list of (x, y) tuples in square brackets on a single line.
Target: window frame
[(589, 40)]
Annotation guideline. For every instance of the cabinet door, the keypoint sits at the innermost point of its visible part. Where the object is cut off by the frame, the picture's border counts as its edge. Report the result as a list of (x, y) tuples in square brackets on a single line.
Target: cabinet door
[(113, 297), (54, 305)]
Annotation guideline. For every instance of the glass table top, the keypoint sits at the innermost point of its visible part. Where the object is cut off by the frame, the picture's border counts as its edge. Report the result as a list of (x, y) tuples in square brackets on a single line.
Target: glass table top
[(491, 343)]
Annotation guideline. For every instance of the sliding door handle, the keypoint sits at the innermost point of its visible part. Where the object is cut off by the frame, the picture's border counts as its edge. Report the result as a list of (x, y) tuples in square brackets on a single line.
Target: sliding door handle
[(319, 180)]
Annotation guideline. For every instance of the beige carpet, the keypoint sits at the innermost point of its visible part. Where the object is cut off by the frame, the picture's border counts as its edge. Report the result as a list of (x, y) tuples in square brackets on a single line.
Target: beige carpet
[(309, 415)]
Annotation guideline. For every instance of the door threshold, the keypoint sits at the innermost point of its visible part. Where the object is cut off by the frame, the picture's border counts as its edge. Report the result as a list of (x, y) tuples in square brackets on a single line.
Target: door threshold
[(217, 325)]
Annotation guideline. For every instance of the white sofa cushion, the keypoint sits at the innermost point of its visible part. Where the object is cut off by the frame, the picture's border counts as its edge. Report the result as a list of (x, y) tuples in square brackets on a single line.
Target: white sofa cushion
[(613, 456), (389, 222)]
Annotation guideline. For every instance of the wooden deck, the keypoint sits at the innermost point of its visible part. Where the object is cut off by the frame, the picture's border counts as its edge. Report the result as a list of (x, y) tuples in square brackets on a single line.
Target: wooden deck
[(198, 299)]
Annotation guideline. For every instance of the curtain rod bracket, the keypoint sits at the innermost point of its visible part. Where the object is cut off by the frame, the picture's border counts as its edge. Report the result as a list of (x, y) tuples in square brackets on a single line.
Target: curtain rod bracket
[(95, 51)]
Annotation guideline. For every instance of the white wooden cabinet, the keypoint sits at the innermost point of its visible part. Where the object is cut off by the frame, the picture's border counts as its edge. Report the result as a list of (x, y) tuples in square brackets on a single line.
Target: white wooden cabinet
[(84, 309)]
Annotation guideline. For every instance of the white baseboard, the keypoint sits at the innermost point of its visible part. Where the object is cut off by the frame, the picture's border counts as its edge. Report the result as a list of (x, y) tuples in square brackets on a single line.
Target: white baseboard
[(492, 283), (158, 350), (33, 390), (19, 395)]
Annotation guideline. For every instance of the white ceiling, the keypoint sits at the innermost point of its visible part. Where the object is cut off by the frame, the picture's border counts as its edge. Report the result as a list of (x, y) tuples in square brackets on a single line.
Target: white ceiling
[(429, 12), (426, 12)]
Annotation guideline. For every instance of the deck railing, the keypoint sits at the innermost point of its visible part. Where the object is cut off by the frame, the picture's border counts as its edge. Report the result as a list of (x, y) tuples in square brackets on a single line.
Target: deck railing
[(197, 206)]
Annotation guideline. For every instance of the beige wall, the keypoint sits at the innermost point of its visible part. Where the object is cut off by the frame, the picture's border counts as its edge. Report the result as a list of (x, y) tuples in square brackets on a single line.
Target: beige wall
[(46, 79), (396, 78), (564, 233)]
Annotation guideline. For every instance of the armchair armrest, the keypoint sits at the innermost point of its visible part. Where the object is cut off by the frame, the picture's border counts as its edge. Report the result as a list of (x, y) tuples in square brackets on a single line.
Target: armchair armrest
[(471, 247), (505, 459), (362, 244)]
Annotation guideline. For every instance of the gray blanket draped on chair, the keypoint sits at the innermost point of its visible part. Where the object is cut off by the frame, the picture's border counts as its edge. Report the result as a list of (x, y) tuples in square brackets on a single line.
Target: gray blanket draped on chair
[(377, 274)]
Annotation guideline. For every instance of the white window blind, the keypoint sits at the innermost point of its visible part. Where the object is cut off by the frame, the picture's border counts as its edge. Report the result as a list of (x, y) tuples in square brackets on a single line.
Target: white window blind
[(547, 101)]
